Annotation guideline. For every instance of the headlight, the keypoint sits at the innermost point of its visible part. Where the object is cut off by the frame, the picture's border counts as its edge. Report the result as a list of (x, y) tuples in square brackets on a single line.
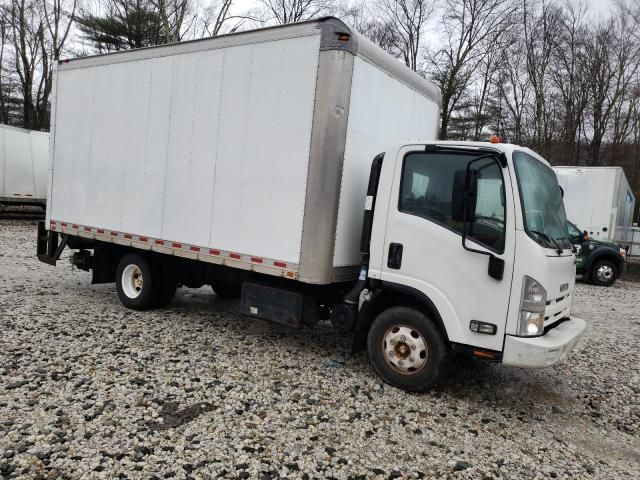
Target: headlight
[(532, 305)]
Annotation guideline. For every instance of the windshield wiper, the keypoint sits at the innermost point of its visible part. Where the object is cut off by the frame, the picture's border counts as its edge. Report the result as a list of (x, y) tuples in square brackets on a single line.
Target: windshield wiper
[(549, 240)]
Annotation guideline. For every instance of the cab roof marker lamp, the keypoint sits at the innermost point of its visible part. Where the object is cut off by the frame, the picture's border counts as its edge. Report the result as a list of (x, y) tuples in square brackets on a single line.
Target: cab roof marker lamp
[(532, 305)]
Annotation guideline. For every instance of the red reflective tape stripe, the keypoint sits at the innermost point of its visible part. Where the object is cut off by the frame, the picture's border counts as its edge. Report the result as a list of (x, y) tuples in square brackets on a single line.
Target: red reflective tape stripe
[(159, 242), (100, 230), (195, 249), (176, 245), (214, 252), (52, 222), (126, 235), (74, 226), (142, 239), (28, 195), (256, 260), (17, 194), (235, 255), (63, 224), (280, 264), (87, 229), (114, 234)]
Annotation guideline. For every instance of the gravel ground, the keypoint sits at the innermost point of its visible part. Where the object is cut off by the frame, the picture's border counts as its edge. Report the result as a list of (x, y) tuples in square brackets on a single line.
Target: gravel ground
[(89, 389)]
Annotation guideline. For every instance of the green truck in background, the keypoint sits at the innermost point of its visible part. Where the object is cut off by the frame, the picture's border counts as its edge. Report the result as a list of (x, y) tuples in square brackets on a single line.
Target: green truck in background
[(599, 262)]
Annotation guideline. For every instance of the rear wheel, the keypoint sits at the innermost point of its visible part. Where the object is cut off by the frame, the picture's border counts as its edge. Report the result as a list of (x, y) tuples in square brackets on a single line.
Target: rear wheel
[(167, 289), (136, 284), (604, 273), (227, 289), (407, 349)]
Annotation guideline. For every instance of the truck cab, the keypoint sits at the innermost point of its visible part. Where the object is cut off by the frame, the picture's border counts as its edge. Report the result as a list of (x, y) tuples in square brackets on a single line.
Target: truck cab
[(598, 261), (468, 250)]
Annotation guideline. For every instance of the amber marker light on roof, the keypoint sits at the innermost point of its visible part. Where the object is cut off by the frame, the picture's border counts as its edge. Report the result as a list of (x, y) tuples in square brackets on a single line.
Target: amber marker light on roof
[(494, 139)]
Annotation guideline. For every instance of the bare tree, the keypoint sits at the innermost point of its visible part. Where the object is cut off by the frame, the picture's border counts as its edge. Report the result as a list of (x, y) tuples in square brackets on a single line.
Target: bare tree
[(541, 29), (290, 11), (36, 32), (217, 19), (569, 77), (467, 27), (406, 20), (612, 63), (4, 91), (513, 89), (176, 16), (379, 30)]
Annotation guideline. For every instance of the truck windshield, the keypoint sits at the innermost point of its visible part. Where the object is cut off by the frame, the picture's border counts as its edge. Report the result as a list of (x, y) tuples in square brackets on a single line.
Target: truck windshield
[(543, 209)]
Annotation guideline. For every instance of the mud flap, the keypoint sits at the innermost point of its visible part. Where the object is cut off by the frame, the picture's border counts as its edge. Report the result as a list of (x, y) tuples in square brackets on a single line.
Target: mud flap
[(275, 304)]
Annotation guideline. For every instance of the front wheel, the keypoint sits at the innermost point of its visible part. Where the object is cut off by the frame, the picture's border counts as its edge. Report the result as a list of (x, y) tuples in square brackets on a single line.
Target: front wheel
[(407, 349), (604, 273)]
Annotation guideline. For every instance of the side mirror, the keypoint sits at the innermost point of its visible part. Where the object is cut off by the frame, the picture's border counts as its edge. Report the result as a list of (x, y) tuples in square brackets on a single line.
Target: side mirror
[(463, 208), (463, 196)]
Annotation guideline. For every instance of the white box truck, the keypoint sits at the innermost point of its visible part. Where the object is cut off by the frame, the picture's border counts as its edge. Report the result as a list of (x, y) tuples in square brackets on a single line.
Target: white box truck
[(24, 157), (251, 162), (598, 200)]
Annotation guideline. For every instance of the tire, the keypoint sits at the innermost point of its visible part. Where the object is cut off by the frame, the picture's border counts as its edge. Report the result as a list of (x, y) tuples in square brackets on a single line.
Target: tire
[(167, 290), (414, 365), (227, 289), (136, 282), (604, 273)]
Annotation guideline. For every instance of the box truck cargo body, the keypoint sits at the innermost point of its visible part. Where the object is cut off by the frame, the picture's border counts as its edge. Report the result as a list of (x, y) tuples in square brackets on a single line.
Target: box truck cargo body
[(256, 145), (23, 166), (598, 200), (285, 166)]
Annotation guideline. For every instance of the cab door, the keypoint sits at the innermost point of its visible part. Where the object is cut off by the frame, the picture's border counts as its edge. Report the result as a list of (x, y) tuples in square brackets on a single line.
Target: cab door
[(423, 248)]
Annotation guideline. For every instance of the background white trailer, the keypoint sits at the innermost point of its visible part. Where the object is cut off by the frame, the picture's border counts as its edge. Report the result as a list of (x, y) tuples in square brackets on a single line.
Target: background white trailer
[(251, 150), (23, 165), (599, 200)]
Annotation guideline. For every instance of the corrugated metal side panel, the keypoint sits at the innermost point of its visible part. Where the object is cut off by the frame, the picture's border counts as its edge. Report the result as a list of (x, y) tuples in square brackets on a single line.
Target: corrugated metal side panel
[(40, 159), (23, 169), (206, 148), (383, 112), (624, 205), (588, 198)]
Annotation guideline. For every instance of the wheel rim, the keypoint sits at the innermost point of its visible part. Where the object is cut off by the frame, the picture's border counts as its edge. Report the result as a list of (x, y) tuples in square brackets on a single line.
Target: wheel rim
[(404, 349), (132, 281), (605, 273)]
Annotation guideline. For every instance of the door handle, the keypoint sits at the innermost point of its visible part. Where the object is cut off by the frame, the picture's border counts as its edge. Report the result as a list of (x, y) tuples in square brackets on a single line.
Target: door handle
[(395, 256)]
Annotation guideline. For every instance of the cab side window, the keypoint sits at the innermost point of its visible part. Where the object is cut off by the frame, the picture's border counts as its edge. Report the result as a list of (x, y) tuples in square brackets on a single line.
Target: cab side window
[(427, 187)]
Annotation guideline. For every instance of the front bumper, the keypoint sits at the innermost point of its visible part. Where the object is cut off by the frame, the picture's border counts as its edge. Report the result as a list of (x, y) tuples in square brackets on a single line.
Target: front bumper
[(544, 351)]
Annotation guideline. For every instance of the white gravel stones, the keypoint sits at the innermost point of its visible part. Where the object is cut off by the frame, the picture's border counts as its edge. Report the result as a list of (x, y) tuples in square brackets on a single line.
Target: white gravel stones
[(89, 389)]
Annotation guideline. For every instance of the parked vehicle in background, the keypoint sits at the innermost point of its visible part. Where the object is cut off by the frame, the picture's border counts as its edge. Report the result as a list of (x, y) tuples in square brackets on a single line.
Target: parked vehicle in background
[(251, 162), (600, 200), (599, 262), (24, 158)]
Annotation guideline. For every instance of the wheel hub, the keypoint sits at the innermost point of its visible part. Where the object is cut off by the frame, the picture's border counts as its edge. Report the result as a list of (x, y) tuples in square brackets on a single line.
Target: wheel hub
[(405, 350), (132, 281), (605, 273)]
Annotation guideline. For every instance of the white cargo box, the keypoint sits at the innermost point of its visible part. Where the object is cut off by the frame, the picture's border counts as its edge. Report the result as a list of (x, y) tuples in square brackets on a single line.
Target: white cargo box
[(23, 165), (251, 150), (599, 200)]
